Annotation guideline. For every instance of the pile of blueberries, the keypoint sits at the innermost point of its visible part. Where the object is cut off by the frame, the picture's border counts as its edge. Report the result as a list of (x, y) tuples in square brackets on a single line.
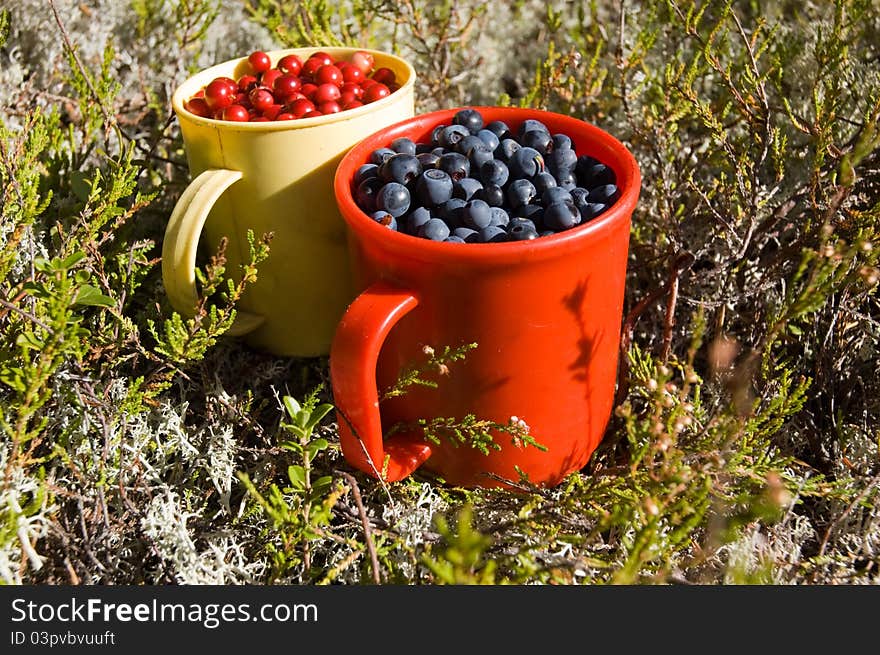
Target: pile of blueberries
[(483, 183)]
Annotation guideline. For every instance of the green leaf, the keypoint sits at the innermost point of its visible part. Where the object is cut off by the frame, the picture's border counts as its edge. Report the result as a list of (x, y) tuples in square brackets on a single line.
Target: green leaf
[(92, 296), (297, 475), (321, 485), (29, 340), (316, 446), (292, 406), (69, 262), (317, 415)]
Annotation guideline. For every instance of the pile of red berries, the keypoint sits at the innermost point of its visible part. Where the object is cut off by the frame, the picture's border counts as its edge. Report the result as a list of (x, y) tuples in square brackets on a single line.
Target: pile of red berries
[(294, 88)]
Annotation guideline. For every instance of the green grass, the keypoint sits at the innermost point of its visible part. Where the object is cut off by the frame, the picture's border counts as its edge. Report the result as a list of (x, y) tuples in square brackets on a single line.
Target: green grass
[(139, 447)]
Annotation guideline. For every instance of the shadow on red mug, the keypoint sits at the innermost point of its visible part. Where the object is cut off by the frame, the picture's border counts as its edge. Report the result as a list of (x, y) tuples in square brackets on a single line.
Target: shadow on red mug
[(545, 316)]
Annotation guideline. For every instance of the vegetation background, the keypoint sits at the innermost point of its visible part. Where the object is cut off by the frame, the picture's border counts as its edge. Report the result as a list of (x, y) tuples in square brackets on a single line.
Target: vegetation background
[(140, 448)]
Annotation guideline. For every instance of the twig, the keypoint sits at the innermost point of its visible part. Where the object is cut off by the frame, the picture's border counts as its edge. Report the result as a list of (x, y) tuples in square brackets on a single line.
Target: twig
[(864, 493), (365, 522), (26, 314)]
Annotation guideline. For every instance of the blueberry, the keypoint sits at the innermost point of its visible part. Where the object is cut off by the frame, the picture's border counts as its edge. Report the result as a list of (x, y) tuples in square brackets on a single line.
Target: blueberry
[(415, 219), (499, 129), (561, 161), (492, 234), (476, 214), (492, 194), (466, 234), (450, 211), (428, 159), (382, 217), (400, 168), (607, 193), (555, 194), (422, 148), (525, 162), (534, 213), (591, 210), (465, 188), (579, 196), (379, 155), (521, 222), (365, 194), (404, 145), (452, 134), (544, 181), (469, 118), (595, 175), (435, 135), (489, 138), (494, 171), (522, 232), (455, 164), (562, 142), (561, 215), (531, 124), (435, 230), (520, 192), (537, 139), (363, 172), (479, 155), (547, 233), (499, 217), (453, 239), (468, 143), (433, 187), (567, 180), (393, 198), (506, 149)]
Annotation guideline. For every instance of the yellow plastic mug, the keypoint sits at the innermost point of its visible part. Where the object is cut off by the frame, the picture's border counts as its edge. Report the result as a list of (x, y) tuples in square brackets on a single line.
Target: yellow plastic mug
[(274, 177)]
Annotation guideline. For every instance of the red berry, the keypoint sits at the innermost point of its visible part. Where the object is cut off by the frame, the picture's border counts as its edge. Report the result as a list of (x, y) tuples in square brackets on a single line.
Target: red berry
[(285, 116), (246, 83), (300, 107), (354, 104), (268, 78), (355, 89), (287, 85), (290, 64), (363, 60), (308, 90), (323, 57), (272, 111), (346, 97), (367, 83), (236, 113), (376, 92), (198, 106), (384, 76), (328, 74), (259, 119), (310, 67), (218, 94), (351, 73), (326, 93), (241, 98), (259, 61), (261, 98), (312, 114), (331, 107)]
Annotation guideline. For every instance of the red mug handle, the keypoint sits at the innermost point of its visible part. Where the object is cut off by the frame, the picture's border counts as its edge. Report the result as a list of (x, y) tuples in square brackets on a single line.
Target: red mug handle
[(353, 355)]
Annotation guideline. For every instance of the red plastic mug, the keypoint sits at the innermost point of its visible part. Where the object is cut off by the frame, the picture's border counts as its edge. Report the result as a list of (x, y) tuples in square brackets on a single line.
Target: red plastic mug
[(545, 314)]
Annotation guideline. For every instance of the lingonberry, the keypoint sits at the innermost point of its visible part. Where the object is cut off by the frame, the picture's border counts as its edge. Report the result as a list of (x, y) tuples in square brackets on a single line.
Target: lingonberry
[(261, 99), (301, 106), (286, 85), (218, 95), (291, 64), (329, 74), (326, 93), (363, 60), (236, 113), (259, 61), (199, 107), (376, 92), (329, 107), (268, 78), (384, 76)]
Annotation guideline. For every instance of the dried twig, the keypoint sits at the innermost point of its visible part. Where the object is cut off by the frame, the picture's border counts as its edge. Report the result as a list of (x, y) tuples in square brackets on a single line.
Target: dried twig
[(365, 522)]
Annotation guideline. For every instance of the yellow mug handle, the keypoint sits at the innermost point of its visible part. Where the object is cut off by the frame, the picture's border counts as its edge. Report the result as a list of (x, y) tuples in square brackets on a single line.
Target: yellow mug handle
[(181, 244)]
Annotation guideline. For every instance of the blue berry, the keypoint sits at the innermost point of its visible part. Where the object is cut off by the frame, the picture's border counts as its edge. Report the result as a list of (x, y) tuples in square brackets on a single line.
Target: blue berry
[(455, 164), (379, 155), (562, 142), (522, 232), (544, 181), (476, 214), (466, 234), (499, 217), (450, 211), (433, 187), (594, 175), (494, 171), (537, 139), (524, 222), (404, 145), (531, 124), (567, 180), (453, 239), (493, 234), (435, 135), (452, 134), (492, 194), (534, 213), (393, 198), (506, 149), (415, 219), (499, 129), (465, 188), (520, 192), (479, 155), (400, 168), (489, 138), (607, 193), (382, 217), (561, 216), (525, 162), (579, 196), (591, 210), (428, 159), (435, 230), (469, 118), (365, 194), (363, 172), (468, 143), (561, 161), (555, 194)]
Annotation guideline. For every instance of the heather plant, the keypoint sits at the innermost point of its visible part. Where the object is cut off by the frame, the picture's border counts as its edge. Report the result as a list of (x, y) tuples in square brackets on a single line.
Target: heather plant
[(141, 446)]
